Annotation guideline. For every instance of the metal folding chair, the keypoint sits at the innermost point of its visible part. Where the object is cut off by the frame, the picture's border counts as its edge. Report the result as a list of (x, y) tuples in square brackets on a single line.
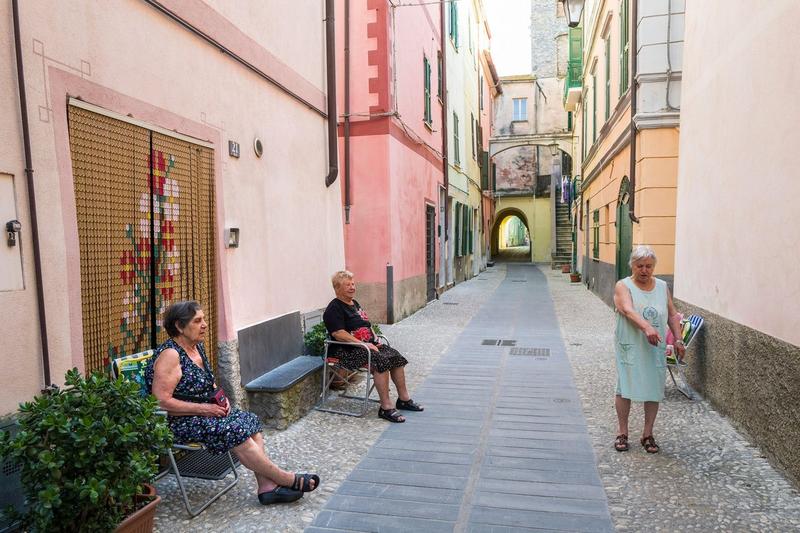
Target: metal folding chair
[(186, 460), (689, 326), (332, 368)]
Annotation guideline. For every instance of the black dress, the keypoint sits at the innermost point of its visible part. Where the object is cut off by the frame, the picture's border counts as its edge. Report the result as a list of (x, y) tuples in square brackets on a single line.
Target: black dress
[(352, 318)]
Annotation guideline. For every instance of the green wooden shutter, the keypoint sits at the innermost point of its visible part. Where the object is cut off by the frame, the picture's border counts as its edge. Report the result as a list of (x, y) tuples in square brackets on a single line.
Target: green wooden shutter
[(427, 89), (596, 233)]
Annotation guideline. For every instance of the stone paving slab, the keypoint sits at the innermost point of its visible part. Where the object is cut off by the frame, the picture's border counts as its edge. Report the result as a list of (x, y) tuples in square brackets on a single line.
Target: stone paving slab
[(499, 475)]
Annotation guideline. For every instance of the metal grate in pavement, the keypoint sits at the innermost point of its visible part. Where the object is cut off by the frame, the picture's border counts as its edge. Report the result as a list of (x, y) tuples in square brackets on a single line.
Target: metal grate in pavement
[(498, 342), (449, 303), (535, 352)]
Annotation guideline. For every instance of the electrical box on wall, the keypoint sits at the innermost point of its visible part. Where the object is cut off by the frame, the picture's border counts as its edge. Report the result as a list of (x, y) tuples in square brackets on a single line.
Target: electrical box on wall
[(10, 245)]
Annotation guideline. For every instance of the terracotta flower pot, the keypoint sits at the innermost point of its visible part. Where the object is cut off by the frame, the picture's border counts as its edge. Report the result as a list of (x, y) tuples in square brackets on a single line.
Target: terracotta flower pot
[(565, 269), (141, 521), (575, 277)]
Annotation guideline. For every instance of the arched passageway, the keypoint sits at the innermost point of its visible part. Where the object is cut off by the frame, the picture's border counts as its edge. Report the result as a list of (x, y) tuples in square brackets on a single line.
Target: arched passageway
[(511, 239)]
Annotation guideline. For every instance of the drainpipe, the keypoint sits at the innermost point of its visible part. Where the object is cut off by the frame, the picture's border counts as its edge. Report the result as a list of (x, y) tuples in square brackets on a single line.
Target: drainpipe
[(445, 163), (346, 111), (26, 142), (330, 53), (634, 17)]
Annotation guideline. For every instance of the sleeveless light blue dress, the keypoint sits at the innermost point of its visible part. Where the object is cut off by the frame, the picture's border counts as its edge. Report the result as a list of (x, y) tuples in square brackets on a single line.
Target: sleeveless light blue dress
[(641, 367)]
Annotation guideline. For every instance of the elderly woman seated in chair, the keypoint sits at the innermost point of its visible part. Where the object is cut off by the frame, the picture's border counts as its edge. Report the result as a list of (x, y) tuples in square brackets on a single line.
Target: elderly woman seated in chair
[(179, 376), (346, 321)]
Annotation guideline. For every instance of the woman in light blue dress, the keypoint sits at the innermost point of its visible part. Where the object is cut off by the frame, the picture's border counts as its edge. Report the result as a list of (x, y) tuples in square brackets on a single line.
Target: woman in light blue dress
[(644, 311)]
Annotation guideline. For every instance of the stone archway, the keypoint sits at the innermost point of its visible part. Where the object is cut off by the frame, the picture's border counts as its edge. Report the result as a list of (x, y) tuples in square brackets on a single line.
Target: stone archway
[(501, 216)]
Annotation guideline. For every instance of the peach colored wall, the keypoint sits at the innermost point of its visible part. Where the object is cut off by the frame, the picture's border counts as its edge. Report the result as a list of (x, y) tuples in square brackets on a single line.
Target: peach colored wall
[(737, 221), (131, 59)]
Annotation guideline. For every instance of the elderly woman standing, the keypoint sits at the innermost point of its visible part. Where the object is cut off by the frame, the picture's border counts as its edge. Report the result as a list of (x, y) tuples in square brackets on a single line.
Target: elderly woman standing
[(644, 311), (347, 322), (179, 376)]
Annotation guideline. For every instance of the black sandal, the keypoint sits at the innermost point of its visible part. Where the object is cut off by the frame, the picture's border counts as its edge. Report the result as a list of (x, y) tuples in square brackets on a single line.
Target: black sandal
[(408, 405), (621, 443), (279, 495), (302, 482), (392, 415), (649, 444)]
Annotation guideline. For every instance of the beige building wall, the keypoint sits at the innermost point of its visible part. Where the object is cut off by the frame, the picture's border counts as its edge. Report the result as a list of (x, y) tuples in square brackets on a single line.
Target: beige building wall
[(131, 59), (737, 215)]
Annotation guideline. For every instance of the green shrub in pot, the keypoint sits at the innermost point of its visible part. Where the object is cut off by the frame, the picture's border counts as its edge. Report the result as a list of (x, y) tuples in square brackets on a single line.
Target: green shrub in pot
[(85, 450)]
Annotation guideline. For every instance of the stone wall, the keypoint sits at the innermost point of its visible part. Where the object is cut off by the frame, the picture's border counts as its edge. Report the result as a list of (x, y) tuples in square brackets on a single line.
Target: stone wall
[(753, 379)]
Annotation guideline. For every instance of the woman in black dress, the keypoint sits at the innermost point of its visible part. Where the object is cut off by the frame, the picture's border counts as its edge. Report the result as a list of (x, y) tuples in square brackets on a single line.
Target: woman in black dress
[(347, 322)]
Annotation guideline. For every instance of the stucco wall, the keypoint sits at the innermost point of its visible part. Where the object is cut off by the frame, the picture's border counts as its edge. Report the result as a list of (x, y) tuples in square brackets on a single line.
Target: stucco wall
[(736, 208), (131, 59)]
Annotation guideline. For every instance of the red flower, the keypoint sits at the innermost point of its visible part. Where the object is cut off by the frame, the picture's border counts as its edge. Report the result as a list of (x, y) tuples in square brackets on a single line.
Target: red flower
[(363, 334)]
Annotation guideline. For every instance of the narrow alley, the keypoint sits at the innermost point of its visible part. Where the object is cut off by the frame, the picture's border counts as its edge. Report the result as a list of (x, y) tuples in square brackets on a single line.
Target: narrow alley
[(489, 454)]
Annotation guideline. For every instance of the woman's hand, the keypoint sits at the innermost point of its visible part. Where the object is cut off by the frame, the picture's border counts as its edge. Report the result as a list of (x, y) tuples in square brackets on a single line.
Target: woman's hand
[(652, 335), (680, 349), (215, 411), (372, 347)]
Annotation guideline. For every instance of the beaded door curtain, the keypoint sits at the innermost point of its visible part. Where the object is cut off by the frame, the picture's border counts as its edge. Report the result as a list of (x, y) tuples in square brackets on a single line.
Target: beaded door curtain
[(145, 209)]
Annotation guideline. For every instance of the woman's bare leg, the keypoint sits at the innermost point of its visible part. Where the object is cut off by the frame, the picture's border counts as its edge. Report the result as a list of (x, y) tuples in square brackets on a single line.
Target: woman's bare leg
[(623, 406), (399, 378), (650, 412), (254, 457), (381, 380)]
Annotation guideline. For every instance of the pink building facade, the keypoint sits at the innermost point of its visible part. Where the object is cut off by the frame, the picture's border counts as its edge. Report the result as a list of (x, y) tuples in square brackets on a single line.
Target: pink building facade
[(390, 112)]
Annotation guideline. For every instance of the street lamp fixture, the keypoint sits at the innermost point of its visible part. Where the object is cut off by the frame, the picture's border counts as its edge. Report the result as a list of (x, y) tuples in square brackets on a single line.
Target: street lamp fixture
[(574, 9)]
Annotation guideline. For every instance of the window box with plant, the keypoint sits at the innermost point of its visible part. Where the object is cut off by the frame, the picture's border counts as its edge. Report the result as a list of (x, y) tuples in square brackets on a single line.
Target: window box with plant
[(87, 452)]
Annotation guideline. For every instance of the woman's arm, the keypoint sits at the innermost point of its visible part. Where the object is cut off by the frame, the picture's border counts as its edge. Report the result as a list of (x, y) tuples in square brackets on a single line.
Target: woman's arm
[(166, 375), (624, 305), (675, 325), (345, 336)]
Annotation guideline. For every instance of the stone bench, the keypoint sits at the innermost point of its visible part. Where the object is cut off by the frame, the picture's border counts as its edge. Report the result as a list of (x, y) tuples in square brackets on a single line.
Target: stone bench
[(281, 384), (286, 393)]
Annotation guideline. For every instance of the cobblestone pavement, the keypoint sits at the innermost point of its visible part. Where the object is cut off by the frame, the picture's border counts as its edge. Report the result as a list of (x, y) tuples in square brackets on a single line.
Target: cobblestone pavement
[(329, 444), (708, 477)]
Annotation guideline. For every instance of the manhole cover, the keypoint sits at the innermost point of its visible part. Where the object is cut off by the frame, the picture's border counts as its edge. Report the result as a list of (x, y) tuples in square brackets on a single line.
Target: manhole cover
[(536, 352)]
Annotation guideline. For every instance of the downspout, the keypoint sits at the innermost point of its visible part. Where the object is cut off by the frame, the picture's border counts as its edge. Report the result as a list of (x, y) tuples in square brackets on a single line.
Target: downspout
[(330, 53), (346, 111), (634, 17), (445, 163), (26, 142)]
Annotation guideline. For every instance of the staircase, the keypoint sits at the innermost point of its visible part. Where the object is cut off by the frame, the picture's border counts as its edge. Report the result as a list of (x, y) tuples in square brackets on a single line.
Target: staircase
[(563, 254)]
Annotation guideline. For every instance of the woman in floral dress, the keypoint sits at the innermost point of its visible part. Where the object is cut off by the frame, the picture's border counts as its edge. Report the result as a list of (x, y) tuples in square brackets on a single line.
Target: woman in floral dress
[(346, 321), (180, 377)]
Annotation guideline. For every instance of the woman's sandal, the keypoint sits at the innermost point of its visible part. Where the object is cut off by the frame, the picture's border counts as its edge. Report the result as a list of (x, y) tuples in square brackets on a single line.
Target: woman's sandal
[(408, 405), (649, 444), (392, 415), (621, 443), (279, 495), (302, 482)]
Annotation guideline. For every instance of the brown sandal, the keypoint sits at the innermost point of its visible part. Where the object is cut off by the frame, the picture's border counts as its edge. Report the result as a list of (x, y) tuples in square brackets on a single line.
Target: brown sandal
[(649, 444), (621, 443)]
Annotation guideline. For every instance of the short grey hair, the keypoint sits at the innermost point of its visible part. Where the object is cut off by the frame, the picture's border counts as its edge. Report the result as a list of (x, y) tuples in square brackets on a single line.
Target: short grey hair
[(178, 315), (642, 252), (340, 276)]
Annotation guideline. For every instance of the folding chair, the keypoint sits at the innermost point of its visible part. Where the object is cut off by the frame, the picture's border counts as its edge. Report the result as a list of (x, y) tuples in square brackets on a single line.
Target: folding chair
[(186, 460), (332, 367), (689, 328)]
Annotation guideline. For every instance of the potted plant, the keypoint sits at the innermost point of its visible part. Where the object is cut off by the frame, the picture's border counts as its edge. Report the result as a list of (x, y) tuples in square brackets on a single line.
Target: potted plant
[(87, 451), (314, 339), (575, 277)]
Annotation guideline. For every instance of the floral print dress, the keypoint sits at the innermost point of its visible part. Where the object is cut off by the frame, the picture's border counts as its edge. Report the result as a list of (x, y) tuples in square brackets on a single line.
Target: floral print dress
[(218, 434)]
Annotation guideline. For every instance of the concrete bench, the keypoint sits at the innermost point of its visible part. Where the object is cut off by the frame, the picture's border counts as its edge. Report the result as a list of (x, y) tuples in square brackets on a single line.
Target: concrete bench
[(281, 384), (285, 394)]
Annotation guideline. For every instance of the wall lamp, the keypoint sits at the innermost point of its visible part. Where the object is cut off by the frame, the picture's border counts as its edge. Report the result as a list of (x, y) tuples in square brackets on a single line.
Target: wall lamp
[(574, 9), (12, 228), (232, 238)]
